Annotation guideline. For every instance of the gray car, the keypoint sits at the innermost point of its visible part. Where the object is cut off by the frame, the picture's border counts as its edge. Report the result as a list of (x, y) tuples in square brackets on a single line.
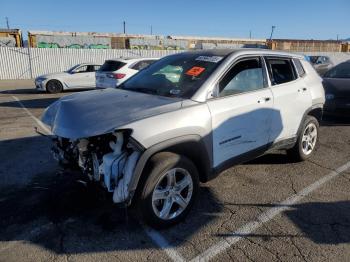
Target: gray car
[(183, 120), (321, 64)]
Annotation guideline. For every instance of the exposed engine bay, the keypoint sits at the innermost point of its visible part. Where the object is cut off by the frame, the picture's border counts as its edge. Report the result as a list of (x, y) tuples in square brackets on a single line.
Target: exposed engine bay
[(109, 159)]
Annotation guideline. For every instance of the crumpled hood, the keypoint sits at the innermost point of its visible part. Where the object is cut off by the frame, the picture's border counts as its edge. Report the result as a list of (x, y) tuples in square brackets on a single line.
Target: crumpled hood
[(99, 112)]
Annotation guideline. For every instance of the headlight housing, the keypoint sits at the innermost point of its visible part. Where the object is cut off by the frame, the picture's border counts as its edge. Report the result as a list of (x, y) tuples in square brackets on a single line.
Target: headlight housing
[(40, 79)]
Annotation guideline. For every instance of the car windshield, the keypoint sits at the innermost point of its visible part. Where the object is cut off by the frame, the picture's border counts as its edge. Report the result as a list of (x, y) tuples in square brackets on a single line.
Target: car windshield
[(340, 71), (70, 70), (179, 75)]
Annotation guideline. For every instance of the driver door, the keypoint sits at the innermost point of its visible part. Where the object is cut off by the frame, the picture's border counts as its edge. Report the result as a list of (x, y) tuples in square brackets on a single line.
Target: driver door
[(241, 112), (83, 77)]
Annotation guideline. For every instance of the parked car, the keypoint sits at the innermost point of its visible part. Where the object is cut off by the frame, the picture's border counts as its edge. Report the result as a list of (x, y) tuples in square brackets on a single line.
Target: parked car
[(321, 64), (154, 138), (336, 83), (79, 76), (115, 71)]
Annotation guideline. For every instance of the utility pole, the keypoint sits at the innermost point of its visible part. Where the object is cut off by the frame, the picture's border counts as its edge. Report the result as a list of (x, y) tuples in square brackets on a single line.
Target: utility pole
[(250, 34), (151, 30), (337, 37), (124, 27), (7, 23), (272, 29)]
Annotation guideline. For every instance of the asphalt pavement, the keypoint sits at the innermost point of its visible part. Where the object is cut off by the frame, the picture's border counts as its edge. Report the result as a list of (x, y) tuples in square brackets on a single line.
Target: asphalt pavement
[(270, 209)]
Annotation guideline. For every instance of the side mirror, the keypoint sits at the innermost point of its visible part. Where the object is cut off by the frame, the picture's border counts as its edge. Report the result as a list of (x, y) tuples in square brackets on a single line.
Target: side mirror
[(213, 93)]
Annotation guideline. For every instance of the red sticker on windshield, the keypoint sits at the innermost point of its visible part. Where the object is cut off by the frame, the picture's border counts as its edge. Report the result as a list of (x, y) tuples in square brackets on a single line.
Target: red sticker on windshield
[(195, 71)]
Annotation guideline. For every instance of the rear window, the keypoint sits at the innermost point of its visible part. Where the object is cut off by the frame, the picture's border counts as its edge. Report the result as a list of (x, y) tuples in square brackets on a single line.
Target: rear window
[(110, 66), (281, 70), (299, 67), (142, 64)]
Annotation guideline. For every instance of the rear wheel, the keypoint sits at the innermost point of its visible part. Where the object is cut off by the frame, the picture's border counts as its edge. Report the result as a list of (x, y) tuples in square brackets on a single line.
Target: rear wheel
[(307, 140), (169, 190), (54, 86)]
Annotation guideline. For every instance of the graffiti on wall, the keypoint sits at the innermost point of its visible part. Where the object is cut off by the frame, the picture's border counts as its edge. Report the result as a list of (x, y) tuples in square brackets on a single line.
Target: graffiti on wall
[(74, 42), (158, 44), (8, 41)]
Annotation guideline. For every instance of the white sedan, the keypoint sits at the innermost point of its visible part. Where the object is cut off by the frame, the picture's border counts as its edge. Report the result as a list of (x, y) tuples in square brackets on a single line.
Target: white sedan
[(79, 76), (115, 71)]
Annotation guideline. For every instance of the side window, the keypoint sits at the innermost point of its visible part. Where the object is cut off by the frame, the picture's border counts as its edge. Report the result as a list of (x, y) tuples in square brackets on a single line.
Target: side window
[(299, 67), (97, 67), (90, 68), (142, 64), (244, 76), (81, 69), (281, 70)]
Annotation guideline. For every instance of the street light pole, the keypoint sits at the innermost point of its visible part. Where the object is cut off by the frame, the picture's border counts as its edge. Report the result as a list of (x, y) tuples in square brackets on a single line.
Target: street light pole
[(7, 23), (272, 29)]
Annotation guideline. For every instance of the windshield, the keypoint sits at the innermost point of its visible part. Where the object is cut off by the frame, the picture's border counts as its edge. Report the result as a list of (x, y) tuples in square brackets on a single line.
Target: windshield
[(72, 68), (178, 75), (340, 71)]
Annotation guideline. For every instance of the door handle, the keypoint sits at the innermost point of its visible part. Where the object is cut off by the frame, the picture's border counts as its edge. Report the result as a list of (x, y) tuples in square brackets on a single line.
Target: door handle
[(264, 100)]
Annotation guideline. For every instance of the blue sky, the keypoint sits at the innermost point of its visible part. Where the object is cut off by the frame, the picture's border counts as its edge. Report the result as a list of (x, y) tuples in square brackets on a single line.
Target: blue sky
[(305, 19)]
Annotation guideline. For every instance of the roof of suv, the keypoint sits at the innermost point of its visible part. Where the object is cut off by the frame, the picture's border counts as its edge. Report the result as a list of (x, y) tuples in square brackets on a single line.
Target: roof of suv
[(226, 52), (132, 59)]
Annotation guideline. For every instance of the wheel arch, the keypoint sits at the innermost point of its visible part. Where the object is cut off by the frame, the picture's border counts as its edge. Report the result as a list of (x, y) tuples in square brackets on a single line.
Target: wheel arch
[(315, 111), (191, 146)]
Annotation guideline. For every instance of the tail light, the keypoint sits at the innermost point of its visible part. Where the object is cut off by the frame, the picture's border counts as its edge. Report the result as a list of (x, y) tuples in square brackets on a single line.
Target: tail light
[(116, 76)]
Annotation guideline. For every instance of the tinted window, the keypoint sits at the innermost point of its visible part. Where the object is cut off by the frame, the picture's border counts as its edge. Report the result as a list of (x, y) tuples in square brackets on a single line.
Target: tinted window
[(177, 75), (281, 70), (81, 69), (340, 71), (299, 67), (110, 66), (142, 64), (245, 76)]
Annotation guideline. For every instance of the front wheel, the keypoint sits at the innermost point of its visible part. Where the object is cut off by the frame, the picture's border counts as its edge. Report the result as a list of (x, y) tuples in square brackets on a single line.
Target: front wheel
[(169, 190), (54, 86), (307, 140)]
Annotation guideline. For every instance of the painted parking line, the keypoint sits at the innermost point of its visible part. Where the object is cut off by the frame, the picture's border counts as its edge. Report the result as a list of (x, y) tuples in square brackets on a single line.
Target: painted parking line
[(158, 239), (265, 217), (41, 124)]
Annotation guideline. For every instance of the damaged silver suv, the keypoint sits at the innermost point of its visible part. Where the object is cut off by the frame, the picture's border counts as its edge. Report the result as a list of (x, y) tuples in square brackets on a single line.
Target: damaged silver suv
[(183, 120)]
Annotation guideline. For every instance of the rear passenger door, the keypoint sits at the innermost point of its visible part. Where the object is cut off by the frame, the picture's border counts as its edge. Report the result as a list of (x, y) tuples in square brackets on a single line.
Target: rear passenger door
[(291, 97)]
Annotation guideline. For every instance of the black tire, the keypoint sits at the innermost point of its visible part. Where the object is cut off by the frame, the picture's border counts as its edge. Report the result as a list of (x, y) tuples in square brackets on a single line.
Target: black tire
[(54, 86), (156, 172), (297, 153)]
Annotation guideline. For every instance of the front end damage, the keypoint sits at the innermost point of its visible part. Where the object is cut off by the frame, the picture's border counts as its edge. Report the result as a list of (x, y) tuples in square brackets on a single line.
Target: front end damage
[(108, 159)]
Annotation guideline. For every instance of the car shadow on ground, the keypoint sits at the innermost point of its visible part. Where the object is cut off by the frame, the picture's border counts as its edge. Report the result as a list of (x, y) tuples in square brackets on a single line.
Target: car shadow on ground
[(59, 211), (335, 120), (68, 217), (321, 222), (31, 103), (27, 91)]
